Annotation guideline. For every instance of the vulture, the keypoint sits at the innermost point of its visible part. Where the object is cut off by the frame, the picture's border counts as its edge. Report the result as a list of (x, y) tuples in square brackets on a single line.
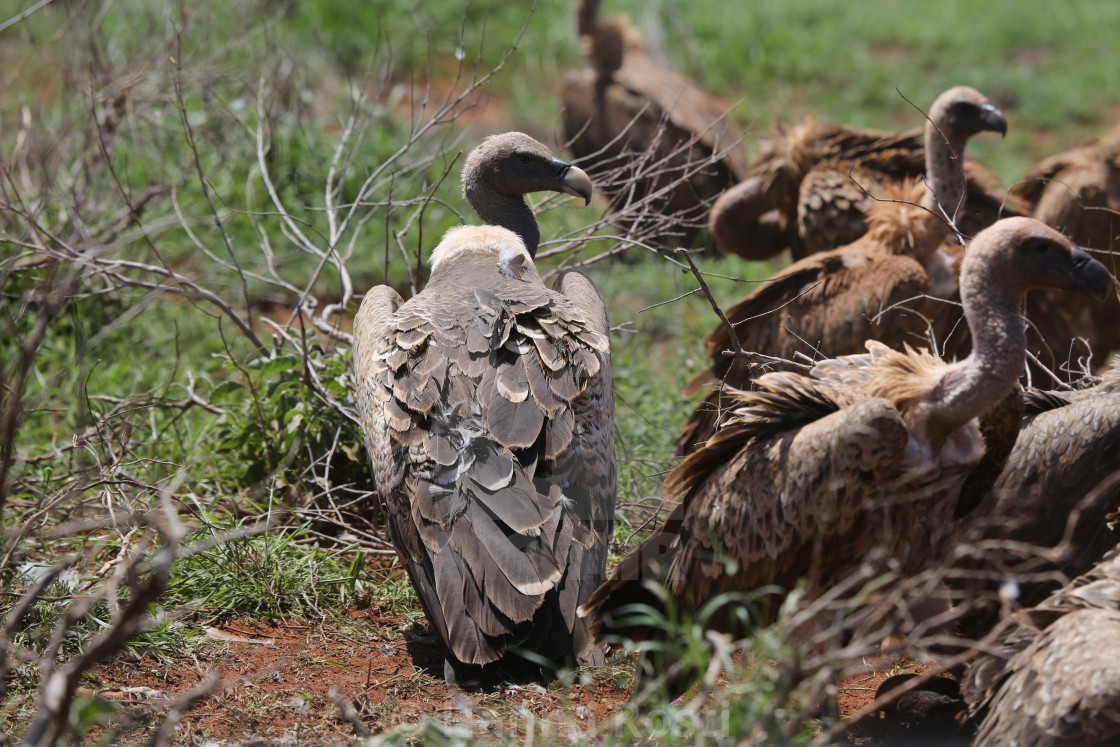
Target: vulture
[(829, 303), (815, 182), (1053, 677), (855, 466), (1078, 192), (1044, 520), (895, 283), (662, 146), (486, 405)]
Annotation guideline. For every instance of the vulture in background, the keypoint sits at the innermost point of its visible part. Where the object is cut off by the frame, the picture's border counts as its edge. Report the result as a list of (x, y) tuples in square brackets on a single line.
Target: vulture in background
[(1078, 192), (660, 147), (1053, 677), (831, 302), (486, 403), (855, 467), (815, 182), (1044, 521)]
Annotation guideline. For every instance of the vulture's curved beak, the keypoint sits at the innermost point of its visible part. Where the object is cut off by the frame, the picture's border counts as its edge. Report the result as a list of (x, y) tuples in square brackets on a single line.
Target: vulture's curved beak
[(1088, 276), (574, 180), (993, 118)]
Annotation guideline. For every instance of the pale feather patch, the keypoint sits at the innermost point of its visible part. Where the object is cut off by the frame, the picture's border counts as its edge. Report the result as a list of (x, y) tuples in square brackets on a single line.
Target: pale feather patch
[(482, 240), (513, 262)]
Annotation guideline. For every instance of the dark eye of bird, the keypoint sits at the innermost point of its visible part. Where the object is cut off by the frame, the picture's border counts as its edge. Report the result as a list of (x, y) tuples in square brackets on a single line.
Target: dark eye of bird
[(523, 160)]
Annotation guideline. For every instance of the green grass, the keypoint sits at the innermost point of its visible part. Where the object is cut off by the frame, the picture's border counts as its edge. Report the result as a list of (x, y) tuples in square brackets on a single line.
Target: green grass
[(277, 574), (104, 101)]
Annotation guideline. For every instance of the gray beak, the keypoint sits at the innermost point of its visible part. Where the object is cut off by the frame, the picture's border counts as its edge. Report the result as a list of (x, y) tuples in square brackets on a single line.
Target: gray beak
[(1089, 276), (573, 180), (993, 119)]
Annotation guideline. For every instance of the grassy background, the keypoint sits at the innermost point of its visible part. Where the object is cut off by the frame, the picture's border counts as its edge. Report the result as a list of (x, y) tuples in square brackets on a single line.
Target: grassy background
[(105, 100)]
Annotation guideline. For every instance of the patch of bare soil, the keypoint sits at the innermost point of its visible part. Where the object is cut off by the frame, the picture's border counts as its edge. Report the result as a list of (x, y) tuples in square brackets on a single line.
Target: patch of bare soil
[(282, 684), (276, 685)]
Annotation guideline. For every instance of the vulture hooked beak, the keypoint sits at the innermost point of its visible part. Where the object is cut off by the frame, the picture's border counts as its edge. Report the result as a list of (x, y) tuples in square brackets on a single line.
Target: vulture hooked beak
[(574, 180), (993, 119), (1085, 275)]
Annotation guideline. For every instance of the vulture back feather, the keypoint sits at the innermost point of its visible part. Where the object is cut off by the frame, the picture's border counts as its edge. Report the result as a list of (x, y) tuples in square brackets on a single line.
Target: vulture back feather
[(1078, 192), (1051, 678), (486, 403), (1044, 520)]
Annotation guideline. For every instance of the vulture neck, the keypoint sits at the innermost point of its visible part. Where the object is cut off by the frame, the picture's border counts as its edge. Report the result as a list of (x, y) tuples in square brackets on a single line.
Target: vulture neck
[(497, 209), (944, 170), (999, 345)]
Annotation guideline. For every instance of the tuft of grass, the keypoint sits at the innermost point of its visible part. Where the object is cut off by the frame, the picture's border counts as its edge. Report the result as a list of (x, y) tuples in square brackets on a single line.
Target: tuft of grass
[(277, 574)]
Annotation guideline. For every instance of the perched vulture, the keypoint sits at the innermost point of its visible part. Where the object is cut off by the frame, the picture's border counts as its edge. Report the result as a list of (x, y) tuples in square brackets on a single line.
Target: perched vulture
[(857, 465), (815, 182), (1078, 192), (1053, 677), (660, 147), (1044, 520), (486, 403)]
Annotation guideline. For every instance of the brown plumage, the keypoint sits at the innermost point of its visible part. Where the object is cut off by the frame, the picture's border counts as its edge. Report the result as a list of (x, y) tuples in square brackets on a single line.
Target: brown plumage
[(1053, 677), (811, 188), (827, 304), (663, 147), (1078, 192), (486, 403), (1044, 520), (857, 465)]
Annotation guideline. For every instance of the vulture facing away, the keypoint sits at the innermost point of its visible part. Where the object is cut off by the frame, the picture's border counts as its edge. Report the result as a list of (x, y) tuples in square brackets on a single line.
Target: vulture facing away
[(858, 464), (662, 146), (807, 192), (486, 403), (1053, 677)]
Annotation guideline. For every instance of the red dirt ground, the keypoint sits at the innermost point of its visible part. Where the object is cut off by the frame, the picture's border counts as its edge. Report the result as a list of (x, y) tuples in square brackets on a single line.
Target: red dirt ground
[(276, 684), (276, 681)]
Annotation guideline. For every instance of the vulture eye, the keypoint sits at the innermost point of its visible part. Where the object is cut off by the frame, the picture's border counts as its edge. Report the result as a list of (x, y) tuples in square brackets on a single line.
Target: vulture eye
[(523, 160), (1038, 246)]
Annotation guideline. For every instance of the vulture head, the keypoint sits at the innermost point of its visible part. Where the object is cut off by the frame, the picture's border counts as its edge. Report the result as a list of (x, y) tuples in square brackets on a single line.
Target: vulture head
[(504, 168), (514, 164), (962, 112), (1023, 253), (1002, 263)]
